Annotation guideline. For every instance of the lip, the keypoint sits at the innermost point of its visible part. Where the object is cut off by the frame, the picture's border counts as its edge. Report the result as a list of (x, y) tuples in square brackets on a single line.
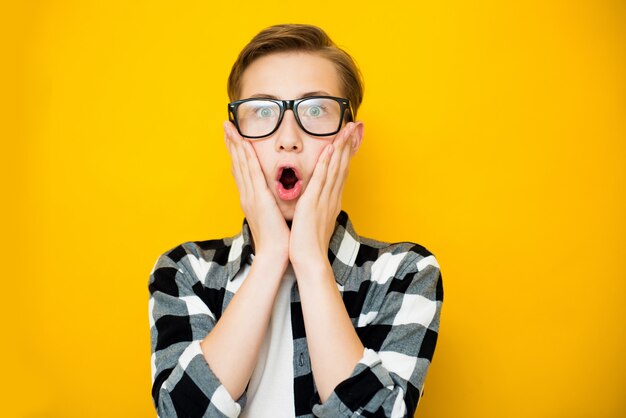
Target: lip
[(295, 191)]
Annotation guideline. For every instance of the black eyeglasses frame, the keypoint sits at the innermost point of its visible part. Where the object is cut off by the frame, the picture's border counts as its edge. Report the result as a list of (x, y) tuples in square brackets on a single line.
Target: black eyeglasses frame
[(292, 105)]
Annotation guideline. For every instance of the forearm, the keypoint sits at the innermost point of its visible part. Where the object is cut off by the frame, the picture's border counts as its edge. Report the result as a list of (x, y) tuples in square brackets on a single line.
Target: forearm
[(334, 345), (231, 348)]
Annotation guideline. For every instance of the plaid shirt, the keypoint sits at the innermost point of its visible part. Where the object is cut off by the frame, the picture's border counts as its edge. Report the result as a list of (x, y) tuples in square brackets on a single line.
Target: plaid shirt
[(392, 292)]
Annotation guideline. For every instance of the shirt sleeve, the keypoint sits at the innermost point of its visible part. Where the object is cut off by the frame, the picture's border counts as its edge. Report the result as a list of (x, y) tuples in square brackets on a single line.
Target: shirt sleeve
[(399, 343), (183, 384)]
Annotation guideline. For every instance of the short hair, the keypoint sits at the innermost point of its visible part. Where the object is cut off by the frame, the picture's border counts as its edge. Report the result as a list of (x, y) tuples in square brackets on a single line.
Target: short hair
[(304, 38)]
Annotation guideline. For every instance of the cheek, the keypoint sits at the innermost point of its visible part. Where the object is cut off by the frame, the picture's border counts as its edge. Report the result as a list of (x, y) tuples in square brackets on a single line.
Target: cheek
[(263, 154), (316, 150), (321, 146)]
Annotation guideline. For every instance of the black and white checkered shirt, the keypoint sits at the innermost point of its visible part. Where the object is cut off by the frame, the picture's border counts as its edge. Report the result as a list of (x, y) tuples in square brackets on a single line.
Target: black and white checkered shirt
[(392, 292)]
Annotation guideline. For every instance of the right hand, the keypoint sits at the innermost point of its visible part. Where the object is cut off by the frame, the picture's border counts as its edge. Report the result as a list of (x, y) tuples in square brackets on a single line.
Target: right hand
[(267, 224)]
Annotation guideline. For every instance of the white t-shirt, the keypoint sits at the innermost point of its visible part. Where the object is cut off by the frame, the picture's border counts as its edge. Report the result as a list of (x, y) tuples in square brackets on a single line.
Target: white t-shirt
[(270, 392)]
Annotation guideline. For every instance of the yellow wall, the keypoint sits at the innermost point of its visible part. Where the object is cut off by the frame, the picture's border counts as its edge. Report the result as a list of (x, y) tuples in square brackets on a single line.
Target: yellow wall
[(495, 136)]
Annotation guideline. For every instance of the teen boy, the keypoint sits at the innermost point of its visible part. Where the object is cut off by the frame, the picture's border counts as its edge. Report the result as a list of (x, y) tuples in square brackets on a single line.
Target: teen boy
[(296, 315)]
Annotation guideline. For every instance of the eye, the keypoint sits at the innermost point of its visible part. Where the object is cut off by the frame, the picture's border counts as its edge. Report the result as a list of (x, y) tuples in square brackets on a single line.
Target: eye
[(264, 112), (315, 111)]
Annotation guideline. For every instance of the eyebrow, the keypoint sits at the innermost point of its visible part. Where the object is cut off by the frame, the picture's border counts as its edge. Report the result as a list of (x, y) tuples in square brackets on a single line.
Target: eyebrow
[(271, 96)]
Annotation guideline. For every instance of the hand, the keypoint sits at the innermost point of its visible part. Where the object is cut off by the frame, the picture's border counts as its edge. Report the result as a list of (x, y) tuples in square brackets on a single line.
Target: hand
[(318, 207), (267, 224)]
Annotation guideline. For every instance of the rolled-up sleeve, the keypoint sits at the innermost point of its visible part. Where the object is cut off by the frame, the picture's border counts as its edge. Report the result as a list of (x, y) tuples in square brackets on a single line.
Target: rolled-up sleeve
[(399, 337), (183, 384)]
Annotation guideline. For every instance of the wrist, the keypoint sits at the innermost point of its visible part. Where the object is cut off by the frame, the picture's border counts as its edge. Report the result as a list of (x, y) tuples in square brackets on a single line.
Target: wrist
[(274, 263), (308, 256), (312, 269)]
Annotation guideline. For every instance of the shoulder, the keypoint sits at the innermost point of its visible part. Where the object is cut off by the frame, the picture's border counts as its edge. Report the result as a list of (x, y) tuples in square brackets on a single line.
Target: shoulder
[(195, 259), (214, 250), (398, 266), (405, 255)]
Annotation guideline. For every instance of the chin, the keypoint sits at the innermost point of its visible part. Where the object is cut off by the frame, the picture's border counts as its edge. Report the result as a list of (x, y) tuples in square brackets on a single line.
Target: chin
[(287, 211), (288, 216)]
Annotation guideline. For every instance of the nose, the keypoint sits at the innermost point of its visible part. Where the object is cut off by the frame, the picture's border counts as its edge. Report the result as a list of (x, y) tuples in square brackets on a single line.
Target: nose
[(289, 134)]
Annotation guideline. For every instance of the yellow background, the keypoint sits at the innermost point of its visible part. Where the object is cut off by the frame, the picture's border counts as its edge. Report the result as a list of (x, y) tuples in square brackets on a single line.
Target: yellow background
[(495, 136)]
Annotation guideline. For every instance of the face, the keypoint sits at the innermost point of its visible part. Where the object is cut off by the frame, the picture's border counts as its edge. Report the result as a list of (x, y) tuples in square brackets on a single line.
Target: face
[(284, 76)]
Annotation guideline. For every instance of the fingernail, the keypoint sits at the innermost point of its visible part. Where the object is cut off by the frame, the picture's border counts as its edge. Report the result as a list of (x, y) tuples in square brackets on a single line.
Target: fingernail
[(350, 129)]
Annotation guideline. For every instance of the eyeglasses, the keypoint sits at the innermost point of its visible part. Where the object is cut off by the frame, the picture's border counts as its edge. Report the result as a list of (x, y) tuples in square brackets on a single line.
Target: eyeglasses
[(315, 115)]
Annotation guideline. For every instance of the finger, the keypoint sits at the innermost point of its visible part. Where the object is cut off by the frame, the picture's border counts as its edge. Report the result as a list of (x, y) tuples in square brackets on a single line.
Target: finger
[(256, 173), (335, 165), (343, 169), (234, 166), (244, 166), (321, 168), (239, 163), (342, 133)]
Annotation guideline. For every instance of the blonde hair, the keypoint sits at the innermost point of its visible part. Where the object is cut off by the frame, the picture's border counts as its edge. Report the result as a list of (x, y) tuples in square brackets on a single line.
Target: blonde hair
[(298, 37)]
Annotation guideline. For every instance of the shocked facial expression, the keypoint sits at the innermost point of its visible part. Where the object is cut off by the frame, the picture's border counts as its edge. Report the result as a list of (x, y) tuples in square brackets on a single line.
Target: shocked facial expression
[(288, 156)]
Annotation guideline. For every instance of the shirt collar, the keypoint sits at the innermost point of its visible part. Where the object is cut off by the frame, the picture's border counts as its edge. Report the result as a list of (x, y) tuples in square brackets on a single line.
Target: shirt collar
[(342, 250)]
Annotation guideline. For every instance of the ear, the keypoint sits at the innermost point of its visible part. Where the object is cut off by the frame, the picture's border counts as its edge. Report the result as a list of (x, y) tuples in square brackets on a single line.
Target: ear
[(357, 137)]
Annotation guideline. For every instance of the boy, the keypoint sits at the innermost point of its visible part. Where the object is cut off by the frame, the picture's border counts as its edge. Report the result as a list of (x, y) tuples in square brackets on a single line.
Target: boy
[(296, 316)]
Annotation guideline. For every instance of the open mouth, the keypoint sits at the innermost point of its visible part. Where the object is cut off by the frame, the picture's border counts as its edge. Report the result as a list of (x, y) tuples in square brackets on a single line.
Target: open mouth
[(288, 183), (288, 178)]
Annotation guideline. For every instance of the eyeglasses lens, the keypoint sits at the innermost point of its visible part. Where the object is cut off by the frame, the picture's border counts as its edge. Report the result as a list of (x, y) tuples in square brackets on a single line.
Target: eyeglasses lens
[(257, 117), (319, 116)]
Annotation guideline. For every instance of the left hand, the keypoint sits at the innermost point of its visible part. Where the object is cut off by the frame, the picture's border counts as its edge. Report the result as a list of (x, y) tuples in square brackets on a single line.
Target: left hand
[(318, 207)]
